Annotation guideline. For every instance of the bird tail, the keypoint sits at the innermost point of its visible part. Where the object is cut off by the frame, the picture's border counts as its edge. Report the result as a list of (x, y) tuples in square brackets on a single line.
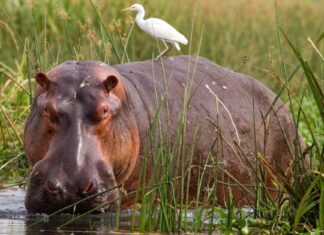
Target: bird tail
[(177, 46)]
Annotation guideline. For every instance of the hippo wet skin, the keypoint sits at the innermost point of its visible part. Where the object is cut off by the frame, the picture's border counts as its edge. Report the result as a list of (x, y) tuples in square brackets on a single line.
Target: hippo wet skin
[(90, 122)]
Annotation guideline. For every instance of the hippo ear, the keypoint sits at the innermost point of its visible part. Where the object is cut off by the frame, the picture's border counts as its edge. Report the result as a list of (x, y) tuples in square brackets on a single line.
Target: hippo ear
[(43, 80), (110, 83)]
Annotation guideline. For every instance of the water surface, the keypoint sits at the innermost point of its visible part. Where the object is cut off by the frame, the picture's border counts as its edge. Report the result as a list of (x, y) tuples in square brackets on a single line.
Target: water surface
[(15, 220)]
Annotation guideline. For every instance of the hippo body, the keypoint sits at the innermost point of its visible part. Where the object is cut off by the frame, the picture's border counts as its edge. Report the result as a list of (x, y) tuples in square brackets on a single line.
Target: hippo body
[(91, 126)]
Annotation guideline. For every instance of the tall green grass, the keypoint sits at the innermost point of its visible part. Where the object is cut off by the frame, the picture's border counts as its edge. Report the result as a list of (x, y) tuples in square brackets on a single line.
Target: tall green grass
[(238, 34), (242, 35)]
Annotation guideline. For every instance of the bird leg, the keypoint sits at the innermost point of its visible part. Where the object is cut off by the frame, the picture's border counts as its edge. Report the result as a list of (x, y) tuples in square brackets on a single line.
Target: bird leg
[(168, 47)]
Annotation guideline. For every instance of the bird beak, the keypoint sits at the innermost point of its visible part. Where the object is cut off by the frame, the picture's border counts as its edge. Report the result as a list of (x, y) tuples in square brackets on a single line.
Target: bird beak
[(126, 9)]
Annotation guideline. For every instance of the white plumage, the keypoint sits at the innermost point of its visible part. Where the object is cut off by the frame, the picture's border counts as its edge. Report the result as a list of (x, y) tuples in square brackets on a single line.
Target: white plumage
[(158, 29)]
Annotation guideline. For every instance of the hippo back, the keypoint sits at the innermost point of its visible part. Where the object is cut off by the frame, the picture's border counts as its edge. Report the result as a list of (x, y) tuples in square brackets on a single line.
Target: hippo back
[(228, 110)]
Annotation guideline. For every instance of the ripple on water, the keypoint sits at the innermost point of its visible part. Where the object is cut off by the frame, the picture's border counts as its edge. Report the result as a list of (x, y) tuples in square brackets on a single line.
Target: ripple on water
[(12, 203), (15, 220)]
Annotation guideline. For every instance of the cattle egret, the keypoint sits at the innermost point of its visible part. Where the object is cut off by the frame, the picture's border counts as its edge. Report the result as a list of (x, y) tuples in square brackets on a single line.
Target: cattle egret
[(158, 29)]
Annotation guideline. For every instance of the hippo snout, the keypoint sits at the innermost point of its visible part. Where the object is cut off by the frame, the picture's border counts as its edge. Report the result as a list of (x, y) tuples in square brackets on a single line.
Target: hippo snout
[(53, 188)]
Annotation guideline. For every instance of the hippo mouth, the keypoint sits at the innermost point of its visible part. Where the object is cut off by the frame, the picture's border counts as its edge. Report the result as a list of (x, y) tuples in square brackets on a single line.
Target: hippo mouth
[(61, 202)]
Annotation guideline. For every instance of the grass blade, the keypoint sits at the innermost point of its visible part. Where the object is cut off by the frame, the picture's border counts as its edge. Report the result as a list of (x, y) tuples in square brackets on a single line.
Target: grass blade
[(303, 203), (312, 81)]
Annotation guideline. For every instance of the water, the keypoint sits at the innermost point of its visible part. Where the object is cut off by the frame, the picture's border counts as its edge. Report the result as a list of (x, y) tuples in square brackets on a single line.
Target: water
[(15, 220), (12, 203)]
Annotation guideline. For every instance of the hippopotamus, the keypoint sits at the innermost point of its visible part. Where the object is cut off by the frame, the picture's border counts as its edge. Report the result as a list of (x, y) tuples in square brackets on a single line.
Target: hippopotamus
[(92, 126)]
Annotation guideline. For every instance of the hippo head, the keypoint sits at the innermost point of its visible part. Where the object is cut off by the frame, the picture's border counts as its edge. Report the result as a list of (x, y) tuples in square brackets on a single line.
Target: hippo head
[(80, 138)]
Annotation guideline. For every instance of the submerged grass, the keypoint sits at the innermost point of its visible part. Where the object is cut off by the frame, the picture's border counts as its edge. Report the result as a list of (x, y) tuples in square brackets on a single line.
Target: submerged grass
[(242, 35)]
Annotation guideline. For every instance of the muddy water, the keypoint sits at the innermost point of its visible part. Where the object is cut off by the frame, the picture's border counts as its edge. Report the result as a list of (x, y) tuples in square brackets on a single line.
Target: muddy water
[(14, 219)]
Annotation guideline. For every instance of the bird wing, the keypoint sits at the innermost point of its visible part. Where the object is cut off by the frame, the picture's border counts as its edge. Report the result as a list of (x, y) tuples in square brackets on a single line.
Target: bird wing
[(162, 30)]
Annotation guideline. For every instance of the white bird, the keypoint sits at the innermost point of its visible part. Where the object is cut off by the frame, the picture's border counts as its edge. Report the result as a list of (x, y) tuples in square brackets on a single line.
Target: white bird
[(158, 29)]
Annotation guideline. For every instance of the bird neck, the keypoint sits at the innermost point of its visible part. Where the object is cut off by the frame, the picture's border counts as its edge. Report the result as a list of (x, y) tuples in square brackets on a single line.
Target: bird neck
[(140, 17)]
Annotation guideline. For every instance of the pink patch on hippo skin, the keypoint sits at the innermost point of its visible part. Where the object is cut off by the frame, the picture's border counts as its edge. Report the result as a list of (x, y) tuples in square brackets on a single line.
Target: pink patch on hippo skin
[(88, 187), (51, 186)]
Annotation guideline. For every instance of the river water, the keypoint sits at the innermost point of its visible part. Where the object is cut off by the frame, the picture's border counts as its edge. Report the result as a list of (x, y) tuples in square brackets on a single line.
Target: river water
[(15, 220)]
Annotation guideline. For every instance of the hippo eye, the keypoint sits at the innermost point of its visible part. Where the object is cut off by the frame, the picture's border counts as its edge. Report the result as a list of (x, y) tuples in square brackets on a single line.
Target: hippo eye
[(102, 112), (50, 113), (46, 109), (105, 109)]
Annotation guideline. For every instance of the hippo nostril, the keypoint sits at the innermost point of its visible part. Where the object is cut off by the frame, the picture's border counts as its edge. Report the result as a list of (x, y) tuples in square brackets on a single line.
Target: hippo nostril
[(52, 187), (88, 187)]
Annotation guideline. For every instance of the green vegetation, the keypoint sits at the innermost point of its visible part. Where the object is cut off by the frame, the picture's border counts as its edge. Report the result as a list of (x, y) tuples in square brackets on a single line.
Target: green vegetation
[(241, 35)]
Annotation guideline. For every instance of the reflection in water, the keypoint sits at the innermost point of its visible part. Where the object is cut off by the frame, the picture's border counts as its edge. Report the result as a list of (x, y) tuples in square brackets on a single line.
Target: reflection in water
[(14, 219), (101, 223), (11, 226)]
